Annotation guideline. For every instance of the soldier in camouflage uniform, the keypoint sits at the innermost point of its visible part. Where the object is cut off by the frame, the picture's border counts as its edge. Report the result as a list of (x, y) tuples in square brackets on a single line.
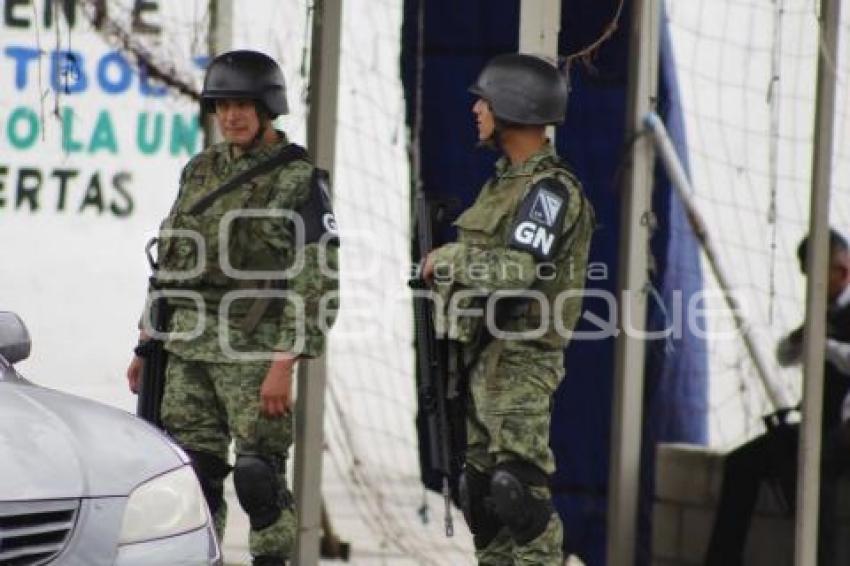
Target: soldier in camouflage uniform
[(527, 234), (232, 349)]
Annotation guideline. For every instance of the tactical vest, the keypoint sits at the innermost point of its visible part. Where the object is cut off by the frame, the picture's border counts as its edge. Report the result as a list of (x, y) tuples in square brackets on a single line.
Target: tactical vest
[(488, 224), (190, 253)]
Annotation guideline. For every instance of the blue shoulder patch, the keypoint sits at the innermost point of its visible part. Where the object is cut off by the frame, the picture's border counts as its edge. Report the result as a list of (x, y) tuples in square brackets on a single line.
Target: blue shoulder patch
[(539, 221)]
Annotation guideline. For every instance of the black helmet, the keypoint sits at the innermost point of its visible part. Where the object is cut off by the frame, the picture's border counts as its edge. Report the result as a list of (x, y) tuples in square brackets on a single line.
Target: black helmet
[(523, 89), (245, 74)]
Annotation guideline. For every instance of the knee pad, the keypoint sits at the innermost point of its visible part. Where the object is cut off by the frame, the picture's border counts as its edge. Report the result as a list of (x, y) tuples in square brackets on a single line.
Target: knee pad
[(255, 480), (211, 471), (474, 492), (525, 515)]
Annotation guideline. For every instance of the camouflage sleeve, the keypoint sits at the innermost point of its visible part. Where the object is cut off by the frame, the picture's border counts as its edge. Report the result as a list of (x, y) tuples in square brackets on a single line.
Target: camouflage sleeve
[(579, 209), (312, 286), (493, 269)]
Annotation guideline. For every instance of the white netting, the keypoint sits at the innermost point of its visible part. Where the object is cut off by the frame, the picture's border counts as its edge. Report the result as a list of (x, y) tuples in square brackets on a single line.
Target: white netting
[(371, 486), (747, 73), (372, 446)]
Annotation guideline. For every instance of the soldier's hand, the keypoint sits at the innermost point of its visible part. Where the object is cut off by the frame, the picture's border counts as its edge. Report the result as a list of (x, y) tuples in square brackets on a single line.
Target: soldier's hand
[(276, 390), (428, 268), (134, 374)]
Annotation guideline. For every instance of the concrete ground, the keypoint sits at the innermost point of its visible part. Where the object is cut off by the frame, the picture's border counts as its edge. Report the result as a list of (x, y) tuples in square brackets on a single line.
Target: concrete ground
[(235, 545), (386, 532), (365, 550)]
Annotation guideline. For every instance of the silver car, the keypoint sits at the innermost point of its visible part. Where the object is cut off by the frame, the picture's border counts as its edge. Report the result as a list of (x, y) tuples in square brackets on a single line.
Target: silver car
[(84, 484)]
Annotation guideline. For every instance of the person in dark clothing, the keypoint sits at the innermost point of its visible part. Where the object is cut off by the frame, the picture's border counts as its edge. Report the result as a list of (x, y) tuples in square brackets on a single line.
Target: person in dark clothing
[(773, 455)]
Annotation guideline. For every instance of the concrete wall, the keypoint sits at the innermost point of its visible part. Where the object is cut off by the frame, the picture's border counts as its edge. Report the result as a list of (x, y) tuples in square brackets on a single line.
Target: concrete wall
[(687, 488)]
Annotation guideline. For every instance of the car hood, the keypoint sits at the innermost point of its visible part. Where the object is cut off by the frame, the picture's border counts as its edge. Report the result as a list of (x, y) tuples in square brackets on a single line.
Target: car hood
[(54, 445)]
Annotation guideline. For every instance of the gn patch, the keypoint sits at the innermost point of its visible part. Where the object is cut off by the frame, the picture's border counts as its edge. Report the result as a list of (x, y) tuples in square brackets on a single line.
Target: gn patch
[(317, 213), (540, 219)]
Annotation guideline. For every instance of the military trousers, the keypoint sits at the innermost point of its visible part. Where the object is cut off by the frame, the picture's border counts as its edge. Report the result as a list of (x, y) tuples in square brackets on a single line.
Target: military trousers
[(205, 406), (508, 421)]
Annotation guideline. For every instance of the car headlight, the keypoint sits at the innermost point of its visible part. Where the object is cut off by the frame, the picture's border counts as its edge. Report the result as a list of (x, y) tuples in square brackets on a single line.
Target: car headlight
[(167, 505)]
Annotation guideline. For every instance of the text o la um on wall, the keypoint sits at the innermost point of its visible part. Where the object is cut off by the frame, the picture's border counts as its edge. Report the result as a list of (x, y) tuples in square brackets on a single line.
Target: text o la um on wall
[(154, 132)]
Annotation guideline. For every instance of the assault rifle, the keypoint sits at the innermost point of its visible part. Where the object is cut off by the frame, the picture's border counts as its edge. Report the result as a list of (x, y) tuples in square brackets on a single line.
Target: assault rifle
[(442, 405), (153, 352)]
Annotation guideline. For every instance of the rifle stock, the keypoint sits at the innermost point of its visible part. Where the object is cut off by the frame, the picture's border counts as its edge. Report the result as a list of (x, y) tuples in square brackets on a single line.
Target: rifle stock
[(153, 351), (155, 358)]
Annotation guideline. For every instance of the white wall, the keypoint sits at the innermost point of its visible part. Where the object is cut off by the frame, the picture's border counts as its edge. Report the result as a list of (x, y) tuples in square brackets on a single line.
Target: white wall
[(76, 272)]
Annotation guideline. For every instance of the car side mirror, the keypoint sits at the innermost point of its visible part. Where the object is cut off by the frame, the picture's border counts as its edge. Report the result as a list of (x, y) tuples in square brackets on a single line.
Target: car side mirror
[(14, 338)]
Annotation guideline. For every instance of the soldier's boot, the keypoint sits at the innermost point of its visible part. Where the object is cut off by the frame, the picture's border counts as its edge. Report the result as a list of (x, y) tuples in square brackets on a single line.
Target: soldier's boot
[(267, 560)]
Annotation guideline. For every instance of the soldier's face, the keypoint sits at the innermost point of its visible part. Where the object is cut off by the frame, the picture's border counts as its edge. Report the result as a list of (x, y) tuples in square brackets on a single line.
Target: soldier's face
[(483, 119), (237, 120)]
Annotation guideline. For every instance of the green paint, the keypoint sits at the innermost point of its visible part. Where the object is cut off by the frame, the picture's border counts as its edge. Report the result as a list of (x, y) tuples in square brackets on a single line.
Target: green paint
[(30, 119), (69, 144), (146, 145), (184, 136), (104, 134)]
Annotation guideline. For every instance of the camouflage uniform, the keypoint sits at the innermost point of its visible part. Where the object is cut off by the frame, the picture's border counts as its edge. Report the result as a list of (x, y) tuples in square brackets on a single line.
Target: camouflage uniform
[(512, 380), (212, 396)]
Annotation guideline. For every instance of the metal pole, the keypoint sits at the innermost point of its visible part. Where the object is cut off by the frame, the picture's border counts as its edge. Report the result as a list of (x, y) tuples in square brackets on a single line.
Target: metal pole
[(808, 486), (324, 81), (312, 375), (636, 223), (679, 178), (219, 40), (539, 25), (221, 24)]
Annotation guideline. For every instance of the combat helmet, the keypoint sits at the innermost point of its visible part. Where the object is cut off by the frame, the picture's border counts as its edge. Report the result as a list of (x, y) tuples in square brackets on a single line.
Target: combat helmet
[(245, 74), (523, 89)]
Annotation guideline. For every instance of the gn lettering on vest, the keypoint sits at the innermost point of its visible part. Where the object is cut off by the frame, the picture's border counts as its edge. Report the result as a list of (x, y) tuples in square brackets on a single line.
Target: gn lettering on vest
[(530, 234)]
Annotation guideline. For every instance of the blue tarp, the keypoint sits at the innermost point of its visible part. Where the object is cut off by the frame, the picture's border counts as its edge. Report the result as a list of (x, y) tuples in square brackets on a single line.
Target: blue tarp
[(458, 39)]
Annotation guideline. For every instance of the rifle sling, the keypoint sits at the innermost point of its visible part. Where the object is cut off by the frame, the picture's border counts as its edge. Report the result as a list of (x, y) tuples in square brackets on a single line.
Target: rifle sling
[(257, 310), (291, 152)]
